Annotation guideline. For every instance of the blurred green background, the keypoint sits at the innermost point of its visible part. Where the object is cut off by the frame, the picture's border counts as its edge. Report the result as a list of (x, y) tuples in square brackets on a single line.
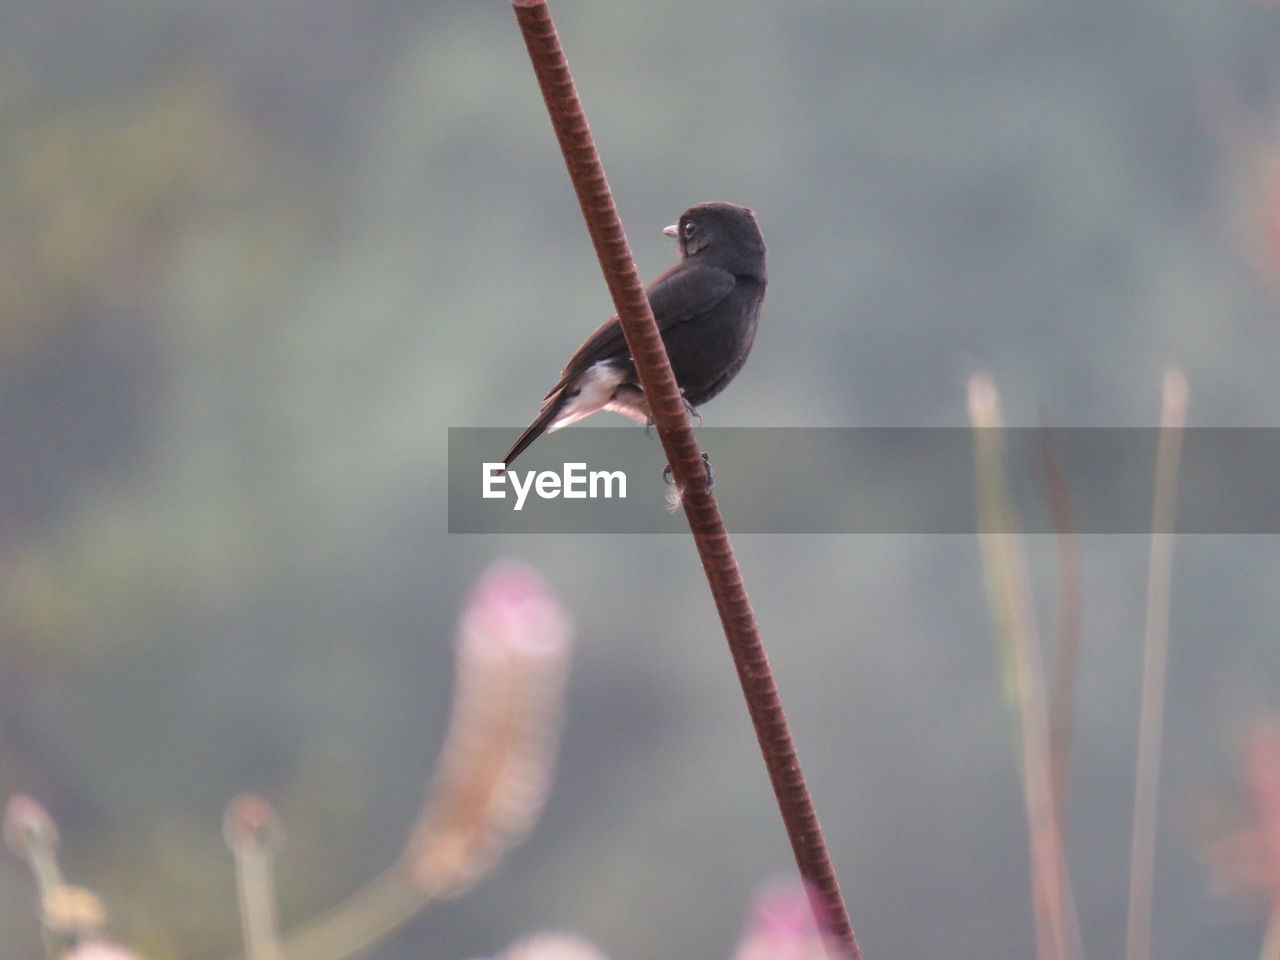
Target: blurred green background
[(256, 258)]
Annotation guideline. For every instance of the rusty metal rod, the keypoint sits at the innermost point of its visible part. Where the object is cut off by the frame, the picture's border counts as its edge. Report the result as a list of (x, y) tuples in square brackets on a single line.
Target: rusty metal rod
[(672, 421)]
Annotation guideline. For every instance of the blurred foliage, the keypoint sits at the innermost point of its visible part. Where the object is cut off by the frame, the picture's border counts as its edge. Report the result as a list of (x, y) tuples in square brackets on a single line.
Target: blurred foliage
[(257, 258)]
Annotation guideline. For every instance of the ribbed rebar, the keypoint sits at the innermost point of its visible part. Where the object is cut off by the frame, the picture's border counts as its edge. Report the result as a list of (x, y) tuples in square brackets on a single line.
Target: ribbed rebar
[(681, 447)]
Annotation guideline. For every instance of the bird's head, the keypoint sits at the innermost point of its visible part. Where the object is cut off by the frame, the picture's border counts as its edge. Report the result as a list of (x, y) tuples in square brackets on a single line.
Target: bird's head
[(723, 234)]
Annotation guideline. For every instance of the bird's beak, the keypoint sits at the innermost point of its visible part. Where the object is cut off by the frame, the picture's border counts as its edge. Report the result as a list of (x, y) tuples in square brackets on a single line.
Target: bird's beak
[(672, 231)]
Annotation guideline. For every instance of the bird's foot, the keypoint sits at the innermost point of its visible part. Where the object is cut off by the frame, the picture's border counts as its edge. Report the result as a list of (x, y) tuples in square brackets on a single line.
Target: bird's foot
[(668, 478), (690, 409)]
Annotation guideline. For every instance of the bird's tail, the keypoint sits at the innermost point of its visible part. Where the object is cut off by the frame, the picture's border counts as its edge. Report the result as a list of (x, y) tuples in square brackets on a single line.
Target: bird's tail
[(545, 418), (576, 396)]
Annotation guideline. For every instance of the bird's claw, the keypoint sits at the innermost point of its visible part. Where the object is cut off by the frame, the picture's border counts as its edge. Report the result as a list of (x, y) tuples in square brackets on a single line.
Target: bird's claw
[(690, 409), (668, 477)]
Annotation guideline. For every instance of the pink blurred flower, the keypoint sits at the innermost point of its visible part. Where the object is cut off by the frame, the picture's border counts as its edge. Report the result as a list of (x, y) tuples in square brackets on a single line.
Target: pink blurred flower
[(781, 926), (500, 750), (1248, 860)]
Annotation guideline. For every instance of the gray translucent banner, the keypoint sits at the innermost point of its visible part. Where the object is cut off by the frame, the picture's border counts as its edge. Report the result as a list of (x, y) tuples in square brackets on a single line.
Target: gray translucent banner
[(861, 480)]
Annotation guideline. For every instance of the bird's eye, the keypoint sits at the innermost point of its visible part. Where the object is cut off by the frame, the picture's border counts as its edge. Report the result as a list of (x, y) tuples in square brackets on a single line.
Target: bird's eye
[(690, 228)]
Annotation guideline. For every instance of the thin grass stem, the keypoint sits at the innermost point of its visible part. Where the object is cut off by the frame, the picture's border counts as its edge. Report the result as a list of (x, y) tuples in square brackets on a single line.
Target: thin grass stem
[(1173, 418), (1010, 601)]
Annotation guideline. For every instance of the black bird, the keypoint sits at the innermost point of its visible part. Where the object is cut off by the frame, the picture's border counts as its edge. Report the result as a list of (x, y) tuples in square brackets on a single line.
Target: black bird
[(707, 307)]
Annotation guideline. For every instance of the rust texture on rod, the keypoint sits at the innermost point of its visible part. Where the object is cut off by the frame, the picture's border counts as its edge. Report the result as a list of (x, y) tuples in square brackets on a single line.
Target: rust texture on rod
[(688, 469)]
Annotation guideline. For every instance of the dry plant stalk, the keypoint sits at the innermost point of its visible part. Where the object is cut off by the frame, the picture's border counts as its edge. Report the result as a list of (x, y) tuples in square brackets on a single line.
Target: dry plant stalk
[(1173, 417), (1009, 598), (493, 775), (1066, 639), (31, 834), (73, 918), (252, 831)]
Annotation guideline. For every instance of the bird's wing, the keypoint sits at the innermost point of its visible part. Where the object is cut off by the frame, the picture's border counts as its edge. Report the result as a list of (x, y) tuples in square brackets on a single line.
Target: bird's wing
[(685, 291)]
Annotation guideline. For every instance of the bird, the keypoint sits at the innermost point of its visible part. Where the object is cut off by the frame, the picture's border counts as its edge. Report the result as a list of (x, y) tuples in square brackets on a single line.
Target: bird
[(707, 308)]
